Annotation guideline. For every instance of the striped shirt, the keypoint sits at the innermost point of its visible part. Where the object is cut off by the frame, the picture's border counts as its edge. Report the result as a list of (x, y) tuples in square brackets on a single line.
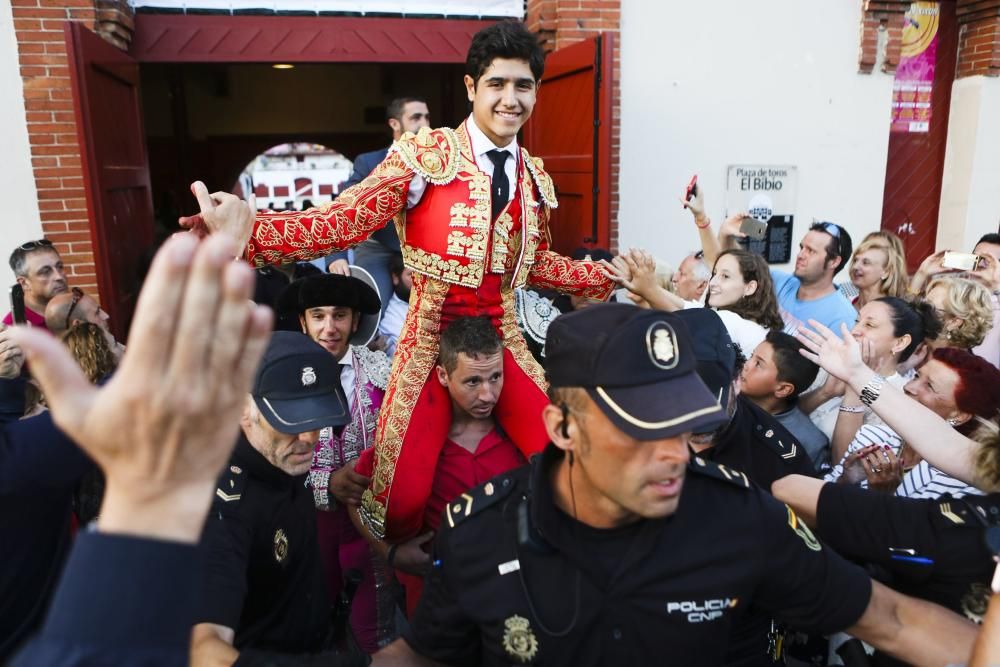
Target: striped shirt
[(921, 481)]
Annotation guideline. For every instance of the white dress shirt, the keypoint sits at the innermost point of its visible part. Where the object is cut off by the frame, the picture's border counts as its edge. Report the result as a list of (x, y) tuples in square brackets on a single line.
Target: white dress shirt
[(347, 376), (481, 145)]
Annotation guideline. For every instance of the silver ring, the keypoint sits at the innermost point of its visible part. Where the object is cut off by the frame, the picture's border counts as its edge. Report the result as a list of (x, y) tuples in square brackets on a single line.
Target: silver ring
[(876, 470)]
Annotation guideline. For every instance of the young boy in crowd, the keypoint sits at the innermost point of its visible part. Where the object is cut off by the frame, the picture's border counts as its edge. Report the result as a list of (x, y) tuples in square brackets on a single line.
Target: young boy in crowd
[(773, 378)]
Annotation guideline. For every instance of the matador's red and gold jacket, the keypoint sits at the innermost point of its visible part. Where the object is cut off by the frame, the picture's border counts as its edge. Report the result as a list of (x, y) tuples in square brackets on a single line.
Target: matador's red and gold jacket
[(459, 252)]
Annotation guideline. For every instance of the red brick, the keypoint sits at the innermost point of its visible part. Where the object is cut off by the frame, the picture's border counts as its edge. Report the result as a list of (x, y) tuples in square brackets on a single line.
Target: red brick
[(67, 237), (48, 59), (73, 182), (30, 47), (60, 215), (56, 149), (72, 204), (69, 161), (39, 13), (54, 127), (24, 3), (40, 139), (27, 24), (50, 205), (44, 162), (46, 82), (39, 116), (33, 71), (64, 194)]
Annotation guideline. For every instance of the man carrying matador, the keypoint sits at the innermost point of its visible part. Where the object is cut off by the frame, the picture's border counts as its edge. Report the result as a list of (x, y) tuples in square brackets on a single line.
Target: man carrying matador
[(472, 211)]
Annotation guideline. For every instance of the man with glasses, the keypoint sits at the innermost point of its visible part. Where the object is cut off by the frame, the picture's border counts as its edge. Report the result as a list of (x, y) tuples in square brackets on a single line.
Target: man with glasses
[(69, 308), (809, 292), (39, 271)]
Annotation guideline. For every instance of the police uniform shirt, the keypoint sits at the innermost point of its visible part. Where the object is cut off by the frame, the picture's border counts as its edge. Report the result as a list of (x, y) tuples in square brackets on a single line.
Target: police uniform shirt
[(932, 549), (755, 442), (511, 585), (264, 576)]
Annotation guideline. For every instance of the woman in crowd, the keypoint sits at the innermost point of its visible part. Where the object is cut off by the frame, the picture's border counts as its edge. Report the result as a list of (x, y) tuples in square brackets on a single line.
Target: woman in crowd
[(740, 290), (965, 308), (930, 549), (923, 430), (889, 331), (961, 389), (877, 269), (90, 346)]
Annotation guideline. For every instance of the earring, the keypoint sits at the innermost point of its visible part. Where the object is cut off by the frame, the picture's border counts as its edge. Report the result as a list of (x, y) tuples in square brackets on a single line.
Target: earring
[(952, 422)]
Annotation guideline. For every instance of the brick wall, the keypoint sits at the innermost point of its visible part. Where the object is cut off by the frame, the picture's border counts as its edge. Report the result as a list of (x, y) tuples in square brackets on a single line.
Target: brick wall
[(877, 16), (978, 37), (52, 131), (560, 23)]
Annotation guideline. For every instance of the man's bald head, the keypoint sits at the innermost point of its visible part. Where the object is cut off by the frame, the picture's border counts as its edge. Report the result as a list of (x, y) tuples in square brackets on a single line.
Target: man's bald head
[(61, 312)]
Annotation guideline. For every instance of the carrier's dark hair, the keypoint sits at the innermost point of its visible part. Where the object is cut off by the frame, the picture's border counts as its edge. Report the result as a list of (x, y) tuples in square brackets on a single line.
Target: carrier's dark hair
[(507, 39), (989, 238), (472, 336), (792, 366), (761, 306), (916, 318)]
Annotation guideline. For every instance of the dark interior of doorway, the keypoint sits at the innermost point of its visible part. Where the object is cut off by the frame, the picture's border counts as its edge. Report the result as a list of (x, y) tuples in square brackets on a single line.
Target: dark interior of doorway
[(208, 121)]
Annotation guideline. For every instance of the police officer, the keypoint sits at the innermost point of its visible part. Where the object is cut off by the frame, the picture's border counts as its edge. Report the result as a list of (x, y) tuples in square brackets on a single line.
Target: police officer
[(616, 546), (931, 549), (265, 586), (750, 440)]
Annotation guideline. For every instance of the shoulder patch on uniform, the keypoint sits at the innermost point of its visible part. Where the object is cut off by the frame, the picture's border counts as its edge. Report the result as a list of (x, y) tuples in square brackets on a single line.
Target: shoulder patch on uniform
[(546, 188), (230, 488), (780, 443), (431, 153), (718, 471), (376, 365), (477, 499)]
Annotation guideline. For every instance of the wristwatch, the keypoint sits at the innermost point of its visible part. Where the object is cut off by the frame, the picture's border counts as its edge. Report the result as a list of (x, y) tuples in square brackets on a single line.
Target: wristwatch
[(871, 391)]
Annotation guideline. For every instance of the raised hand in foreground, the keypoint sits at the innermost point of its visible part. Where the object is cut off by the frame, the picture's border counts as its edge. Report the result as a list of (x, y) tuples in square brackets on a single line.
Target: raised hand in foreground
[(165, 424)]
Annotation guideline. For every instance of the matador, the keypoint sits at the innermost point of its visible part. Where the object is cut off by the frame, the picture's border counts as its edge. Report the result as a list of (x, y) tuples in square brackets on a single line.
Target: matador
[(472, 210)]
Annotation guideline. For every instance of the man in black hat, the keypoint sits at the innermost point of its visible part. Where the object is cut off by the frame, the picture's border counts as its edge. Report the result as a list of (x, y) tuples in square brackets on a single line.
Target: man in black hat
[(341, 313), (590, 556), (264, 587)]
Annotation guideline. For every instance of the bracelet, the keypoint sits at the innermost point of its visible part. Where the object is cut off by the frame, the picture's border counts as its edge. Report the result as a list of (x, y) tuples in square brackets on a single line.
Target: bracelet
[(852, 409), (708, 223), (390, 555), (871, 391)]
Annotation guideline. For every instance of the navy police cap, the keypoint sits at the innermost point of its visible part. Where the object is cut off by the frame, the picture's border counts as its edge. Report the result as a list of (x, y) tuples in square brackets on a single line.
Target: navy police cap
[(297, 385), (637, 365)]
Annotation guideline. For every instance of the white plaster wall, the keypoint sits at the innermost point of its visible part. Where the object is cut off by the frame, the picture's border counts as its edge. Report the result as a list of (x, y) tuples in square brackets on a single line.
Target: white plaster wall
[(718, 82), (18, 197), (970, 192)]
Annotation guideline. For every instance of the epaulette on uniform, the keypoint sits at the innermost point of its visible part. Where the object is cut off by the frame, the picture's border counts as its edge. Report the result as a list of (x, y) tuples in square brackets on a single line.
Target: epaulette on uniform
[(230, 489), (773, 441), (973, 511), (717, 471), (431, 153), (476, 500)]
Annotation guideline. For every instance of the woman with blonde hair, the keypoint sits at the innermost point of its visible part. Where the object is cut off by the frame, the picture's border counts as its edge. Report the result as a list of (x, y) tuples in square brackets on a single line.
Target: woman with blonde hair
[(88, 343), (965, 308), (877, 270)]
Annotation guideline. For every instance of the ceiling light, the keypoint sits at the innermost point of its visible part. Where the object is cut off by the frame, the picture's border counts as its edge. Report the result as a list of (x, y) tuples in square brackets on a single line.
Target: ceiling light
[(283, 66)]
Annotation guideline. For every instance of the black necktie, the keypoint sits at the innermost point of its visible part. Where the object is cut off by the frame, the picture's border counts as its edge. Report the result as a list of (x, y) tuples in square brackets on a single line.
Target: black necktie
[(501, 186)]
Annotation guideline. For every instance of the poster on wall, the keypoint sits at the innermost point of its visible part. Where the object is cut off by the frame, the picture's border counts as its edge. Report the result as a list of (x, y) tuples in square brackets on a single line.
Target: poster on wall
[(914, 82), (767, 194)]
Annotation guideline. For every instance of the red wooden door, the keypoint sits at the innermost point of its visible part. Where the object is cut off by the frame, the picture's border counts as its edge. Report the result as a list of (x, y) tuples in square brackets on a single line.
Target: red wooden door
[(915, 163), (571, 130), (116, 173)]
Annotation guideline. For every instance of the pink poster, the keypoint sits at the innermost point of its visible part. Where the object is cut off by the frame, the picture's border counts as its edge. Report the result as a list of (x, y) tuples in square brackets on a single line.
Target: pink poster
[(911, 90)]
